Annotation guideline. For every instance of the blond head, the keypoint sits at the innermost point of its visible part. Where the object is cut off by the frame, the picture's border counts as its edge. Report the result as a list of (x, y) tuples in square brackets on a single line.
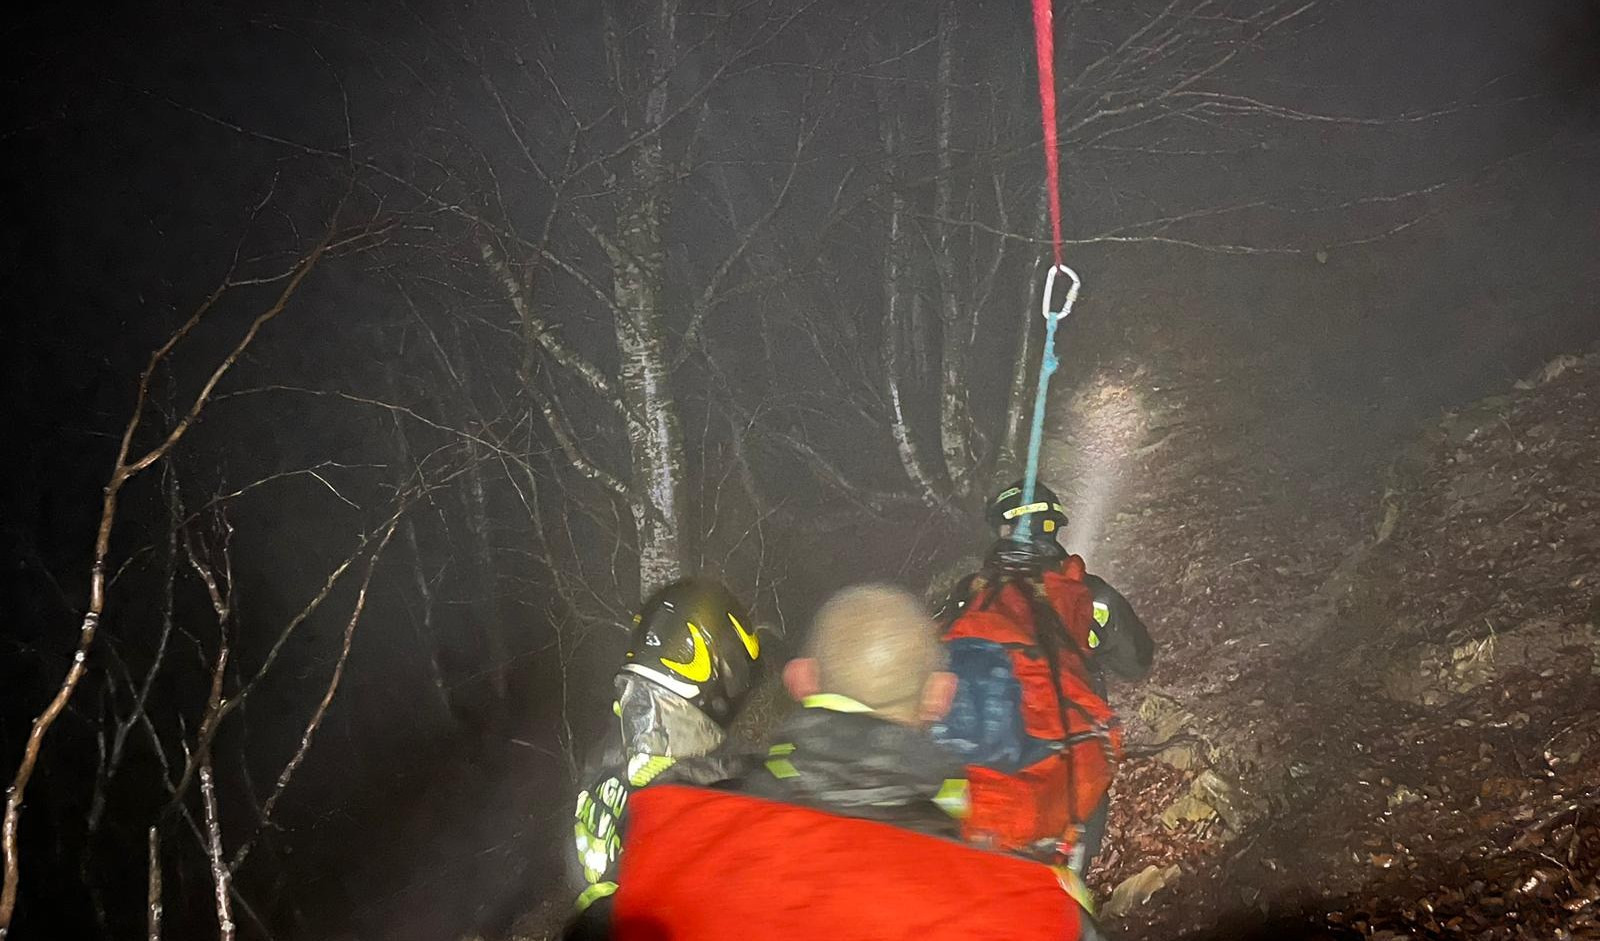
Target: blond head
[(877, 645)]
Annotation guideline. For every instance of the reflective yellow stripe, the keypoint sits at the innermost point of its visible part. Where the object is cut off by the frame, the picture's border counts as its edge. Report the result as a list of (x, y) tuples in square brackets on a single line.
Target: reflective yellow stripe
[(642, 769), (953, 798), (595, 893), (752, 645), (698, 669), (782, 769), (1102, 614), (834, 702), (782, 748), (1017, 511)]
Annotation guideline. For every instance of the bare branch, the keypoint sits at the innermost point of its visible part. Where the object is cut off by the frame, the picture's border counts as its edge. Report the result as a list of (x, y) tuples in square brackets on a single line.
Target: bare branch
[(152, 896), (575, 456), (221, 878), (122, 471), (322, 706), (214, 719), (536, 329)]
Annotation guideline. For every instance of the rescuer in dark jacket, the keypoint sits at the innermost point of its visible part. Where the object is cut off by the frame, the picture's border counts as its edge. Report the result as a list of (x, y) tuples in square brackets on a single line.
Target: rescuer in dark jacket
[(846, 827), (693, 658)]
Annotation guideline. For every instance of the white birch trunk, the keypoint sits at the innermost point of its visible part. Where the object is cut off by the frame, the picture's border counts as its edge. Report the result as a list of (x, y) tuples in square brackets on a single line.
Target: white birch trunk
[(894, 291), (655, 444), (955, 419)]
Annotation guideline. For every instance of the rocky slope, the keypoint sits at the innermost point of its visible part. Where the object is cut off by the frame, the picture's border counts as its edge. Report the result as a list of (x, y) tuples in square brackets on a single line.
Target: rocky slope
[(1376, 711)]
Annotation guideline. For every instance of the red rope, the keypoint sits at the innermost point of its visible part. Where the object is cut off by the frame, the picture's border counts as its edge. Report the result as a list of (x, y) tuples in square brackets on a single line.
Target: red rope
[(1045, 48)]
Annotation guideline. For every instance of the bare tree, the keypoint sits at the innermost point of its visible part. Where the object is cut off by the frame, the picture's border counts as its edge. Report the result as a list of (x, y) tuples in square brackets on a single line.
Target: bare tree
[(1150, 90), (126, 466), (608, 191)]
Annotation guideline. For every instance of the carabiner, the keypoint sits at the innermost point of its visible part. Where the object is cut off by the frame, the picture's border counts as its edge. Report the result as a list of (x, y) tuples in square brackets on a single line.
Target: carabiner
[(1050, 288)]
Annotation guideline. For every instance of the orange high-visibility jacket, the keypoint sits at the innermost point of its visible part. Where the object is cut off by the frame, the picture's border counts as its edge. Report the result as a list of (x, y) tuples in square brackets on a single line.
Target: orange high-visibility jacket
[(707, 865)]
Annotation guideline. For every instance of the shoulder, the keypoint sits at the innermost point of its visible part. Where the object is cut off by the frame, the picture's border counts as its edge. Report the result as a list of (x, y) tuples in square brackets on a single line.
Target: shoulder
[(956, 600), (605, 757), (718, 769), (1104, 592)]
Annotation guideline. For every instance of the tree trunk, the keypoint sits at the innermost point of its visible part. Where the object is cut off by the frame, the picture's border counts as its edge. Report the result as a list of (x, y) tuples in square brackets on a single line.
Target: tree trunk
[(955, 418), (894, 297), (152, 896), (638, 260), (1019, 400)]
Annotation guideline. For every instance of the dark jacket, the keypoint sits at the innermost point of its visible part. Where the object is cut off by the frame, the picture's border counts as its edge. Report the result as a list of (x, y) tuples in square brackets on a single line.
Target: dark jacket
[(1125, 647), (835, 755)]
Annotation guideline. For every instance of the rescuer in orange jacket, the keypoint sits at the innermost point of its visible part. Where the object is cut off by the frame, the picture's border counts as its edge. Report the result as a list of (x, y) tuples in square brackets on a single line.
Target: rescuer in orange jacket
[(847, 826), (1031, 636)]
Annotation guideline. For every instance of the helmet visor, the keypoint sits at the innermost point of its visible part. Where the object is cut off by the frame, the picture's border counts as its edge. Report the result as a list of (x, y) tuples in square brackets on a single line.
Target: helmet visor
[(657, 721)]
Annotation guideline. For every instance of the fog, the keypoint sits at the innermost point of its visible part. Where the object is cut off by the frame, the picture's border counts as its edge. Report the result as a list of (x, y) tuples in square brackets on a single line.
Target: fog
[(518, 311)]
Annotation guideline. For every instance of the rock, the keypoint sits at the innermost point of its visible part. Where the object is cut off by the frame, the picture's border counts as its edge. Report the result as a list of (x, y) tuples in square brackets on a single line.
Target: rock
[(1549, 372), (1406, 681), (1137, 889), (1235, 808), (1464, 426), (1187, 809), (1182, 756), (1164, 715), (1434, 673), (1402, 796)]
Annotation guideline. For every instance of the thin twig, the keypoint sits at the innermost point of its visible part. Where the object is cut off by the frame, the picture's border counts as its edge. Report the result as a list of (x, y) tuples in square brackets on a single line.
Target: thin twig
[(122, 471), (152, 897), (322, 707)]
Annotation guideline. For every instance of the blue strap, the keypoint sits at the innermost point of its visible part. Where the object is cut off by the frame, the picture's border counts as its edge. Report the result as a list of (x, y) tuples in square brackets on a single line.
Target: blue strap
[(1047, 368)]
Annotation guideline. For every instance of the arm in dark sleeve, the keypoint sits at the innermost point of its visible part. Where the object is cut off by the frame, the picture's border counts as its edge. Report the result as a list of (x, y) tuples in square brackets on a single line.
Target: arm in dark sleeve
[(1125, 646), (593, 923)]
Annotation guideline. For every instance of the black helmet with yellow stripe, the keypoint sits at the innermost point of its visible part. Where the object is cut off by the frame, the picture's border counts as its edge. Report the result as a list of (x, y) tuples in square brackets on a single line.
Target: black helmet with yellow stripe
[(1046, 514), (696, 639)]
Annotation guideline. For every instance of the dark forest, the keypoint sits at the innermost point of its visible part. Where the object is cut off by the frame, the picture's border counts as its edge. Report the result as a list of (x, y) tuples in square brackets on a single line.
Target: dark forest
[(366, 364)]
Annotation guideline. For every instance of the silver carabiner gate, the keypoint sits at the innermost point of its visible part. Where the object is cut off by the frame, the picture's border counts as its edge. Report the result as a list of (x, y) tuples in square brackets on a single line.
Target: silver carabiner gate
[(1050, 289)]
